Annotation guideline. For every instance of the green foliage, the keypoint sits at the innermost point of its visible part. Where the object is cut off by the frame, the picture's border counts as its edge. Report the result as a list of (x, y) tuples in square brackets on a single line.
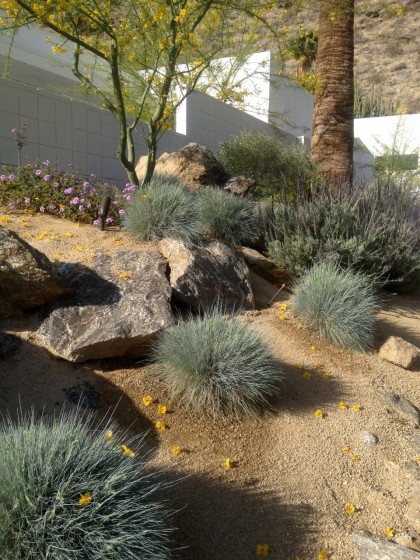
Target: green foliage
[(48, 465), (374, 230), (278, 169), (304, 48), (42, 187), (338, 305), (163, 208), (213, 364), (374, 104), (226, 216)]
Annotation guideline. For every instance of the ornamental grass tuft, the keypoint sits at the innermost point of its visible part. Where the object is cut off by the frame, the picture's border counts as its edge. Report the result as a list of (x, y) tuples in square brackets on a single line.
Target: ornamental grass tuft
[(226, 216), (163, 208), (73, 488), (214, 365), (337, 304)]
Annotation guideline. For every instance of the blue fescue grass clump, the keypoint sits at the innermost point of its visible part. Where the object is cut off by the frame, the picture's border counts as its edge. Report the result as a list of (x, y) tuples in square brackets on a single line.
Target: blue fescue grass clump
[(337, 304), (226, 216), (214, 365), (163, 208), (72, 489)]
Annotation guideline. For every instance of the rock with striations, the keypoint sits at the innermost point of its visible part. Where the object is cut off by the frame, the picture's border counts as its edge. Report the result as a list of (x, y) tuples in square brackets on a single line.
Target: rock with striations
[(201, 275), (240, 185), (399, 352), (120, 304), (194, 164), (28, 279)]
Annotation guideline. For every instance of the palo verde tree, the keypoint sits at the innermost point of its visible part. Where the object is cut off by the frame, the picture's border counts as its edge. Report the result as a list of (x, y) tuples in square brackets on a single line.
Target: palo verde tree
[(152, 54)]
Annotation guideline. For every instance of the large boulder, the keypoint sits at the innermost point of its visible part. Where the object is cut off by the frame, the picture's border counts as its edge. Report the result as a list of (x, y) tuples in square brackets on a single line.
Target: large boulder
[(120, 303), (194, 164), (201, 275), (28, 278)]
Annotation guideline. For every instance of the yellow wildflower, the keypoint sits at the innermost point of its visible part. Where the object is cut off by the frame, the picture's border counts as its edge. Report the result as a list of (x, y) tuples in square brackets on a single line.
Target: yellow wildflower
[(282, 318), (161, 409), (108, 436), (313, 347), (147, 401), (262, 550), (160, 425), (323, 554), (389, 532), (343, 405), (319, 414), (357, 408), (124, 276), (68, 234), (228, 463), (176, 450), (85, 498), (127, 451), (350, 509), (355, 457), (346, 449)]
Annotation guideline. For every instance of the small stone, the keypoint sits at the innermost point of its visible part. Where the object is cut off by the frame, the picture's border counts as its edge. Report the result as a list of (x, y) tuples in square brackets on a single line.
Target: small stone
[(369, 438), (403, 406), (399, 352)]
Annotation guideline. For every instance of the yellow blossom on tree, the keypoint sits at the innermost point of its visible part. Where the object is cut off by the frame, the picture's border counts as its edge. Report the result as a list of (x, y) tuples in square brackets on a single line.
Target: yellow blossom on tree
[(262, 550), (85, 498), (147, 401), (350, 509), (127, 451)]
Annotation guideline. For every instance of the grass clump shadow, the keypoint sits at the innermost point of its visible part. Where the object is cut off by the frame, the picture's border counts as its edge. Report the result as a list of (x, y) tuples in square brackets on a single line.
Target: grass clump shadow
[(226, 216), (163, 208), (337, 304), (214, 365), (72, 487)]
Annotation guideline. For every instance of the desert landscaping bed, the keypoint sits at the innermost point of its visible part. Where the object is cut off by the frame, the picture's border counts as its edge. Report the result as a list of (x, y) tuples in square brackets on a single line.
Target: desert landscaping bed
[(291, 472)]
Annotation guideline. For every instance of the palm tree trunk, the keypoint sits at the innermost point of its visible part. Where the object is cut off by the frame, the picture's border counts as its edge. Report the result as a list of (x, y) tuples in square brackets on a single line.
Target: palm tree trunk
[(332, 132)]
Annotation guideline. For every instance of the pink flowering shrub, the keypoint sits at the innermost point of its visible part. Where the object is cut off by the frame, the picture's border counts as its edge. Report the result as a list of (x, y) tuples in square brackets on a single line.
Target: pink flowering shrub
[(41, 187)]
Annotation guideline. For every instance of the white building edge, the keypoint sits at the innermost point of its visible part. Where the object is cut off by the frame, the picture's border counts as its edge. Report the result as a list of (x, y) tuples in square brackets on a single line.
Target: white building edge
[(65, 127)]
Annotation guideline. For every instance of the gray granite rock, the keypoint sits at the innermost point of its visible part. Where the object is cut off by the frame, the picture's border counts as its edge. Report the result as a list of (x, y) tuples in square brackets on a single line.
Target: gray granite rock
[(120, 304), (28, 279), (200, 275)]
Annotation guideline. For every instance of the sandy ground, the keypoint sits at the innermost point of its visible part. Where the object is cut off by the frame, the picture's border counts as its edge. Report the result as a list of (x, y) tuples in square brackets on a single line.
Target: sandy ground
[(291, 478)]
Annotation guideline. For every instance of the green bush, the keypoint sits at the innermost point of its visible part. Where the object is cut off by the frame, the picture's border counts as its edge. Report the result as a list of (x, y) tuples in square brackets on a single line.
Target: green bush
[(213, 364), (71, 489), (226, 216), (338, 305), (280, 170), (163, 208), (374, 230)]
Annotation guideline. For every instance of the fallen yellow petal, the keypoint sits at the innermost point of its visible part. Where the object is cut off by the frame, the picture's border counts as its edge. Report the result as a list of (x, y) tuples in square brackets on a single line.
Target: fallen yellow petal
[(357, 408), (313, 347), (147, 401), (326, 375), (319, 414), (161, 409), (343, 405), (346, 449), (350, 509), (389, 532), (108, 436), (85, 498), (355, 458), (228, 463), (282, 318), (160, 425), (176, 450), (127, 451), (262, 550), (323, 554), (124, 276), (307, 375)]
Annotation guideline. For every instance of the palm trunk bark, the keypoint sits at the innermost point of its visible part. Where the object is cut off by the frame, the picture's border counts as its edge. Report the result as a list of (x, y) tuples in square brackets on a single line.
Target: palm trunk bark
[(332, 132)]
